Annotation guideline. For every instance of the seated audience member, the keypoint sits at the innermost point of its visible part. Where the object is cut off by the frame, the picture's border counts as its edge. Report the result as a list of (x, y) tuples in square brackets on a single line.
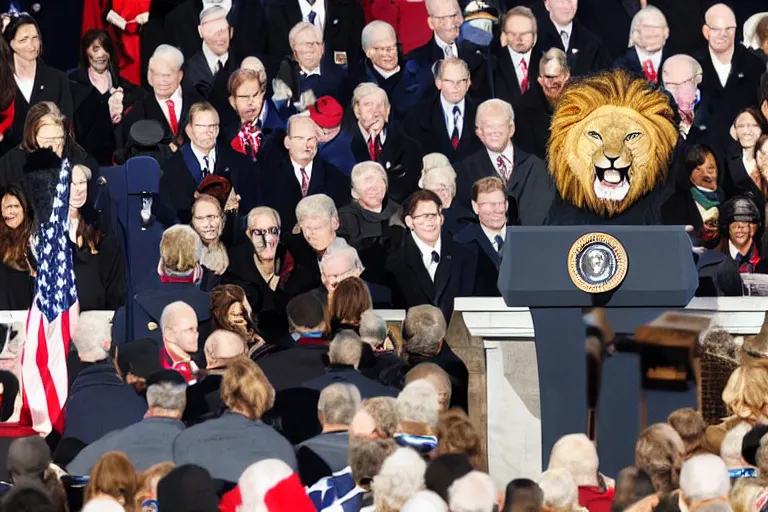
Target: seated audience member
[(98, 387), (443, 124), (763, 99), (424, 332), (266, 270), (576, 454), (167, 104), (474, 491), (29, 462), (681, 76), (300, 173), (738, 222), (207, 71), (456, 434), (136, 361), (229, 200), (425, 501), (99, 95), (698, 195), (703, 479), (16, 229), (221, 348), (559, 28), (381, 358), (730, 452), (486, 239), (113, 477), (337, 265), (690, 425), (559, 490), (187, 488), (535, 110), (512, 69), (648, 35), (525, 179), (632, 485), (429, 268), (103, 504), (178, 324), (238, 438), (403, 80), (372, 223), (523, 494), (344, 357), (97, 256), (742, 174), (438, 176), (271, 483), (32, 496), (327, 452), (659, 452), (347, 301), (372, 137), (436, 376), (231, 311), (149, 441), (333, 144), (377, 419), (146, 490), (400, 477), (308, 73), (185, 170), (208, 223), (418, 410)]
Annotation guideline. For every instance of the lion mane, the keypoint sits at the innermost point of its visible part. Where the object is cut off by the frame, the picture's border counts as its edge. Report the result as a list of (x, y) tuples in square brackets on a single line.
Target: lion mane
[(611, 141)]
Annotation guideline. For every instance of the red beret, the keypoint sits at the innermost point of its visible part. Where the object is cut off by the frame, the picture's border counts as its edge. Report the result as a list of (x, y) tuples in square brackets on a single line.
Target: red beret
[(215, 186), (326, 112)]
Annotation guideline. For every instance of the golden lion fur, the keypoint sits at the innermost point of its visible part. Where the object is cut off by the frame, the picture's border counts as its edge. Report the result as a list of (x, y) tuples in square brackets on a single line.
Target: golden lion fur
[(631, 104)]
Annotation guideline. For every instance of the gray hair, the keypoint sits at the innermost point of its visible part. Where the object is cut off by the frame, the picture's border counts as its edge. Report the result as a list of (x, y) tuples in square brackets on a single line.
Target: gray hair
[(168, 396), (553, 54), (430, 5), (223, 344), (170, 54), (338, 403), (452, 61), (93, 329), (576, 454), (400, 477), (291, 119), (348, 252), (559, 489), (474, 492), (373, 328), (345, 348), (215, 11), (445, 170), (365, 168), (261, 210), (730, 448), (495, 106), (316, 205), (419, 402), (366, 89), (370, 30), (255, 65), (83, 169), (301, 27), (696, 69), (424, 328), (639, 17), (704, 477)]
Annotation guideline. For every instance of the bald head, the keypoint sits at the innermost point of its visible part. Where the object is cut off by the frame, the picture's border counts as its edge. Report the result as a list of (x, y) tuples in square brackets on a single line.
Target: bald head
[(222, 346), (720, 30), (363, 426), (179, 327)]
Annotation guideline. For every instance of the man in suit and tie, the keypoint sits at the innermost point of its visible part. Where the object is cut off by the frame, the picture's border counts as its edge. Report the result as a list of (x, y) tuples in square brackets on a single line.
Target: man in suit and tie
[(731, 72), (528, 185), (649, 34), (513, 72), (486, 239), (558, 29), (429, 269), (299, 173), (443, 124), (681, 76)]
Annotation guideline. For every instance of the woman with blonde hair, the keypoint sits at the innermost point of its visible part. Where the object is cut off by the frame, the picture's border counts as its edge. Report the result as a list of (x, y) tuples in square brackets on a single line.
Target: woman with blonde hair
[(659, 452), (115, 477), (146, 490), (208, 223)]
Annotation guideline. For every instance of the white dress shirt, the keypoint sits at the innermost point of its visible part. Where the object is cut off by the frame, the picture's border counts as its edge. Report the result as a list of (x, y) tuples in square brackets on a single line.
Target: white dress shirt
[(310, 72), (177, 106), (508, 154), (655, 57), (213, 59), (516, 58), (25, 86), (199, 154), (225, 4), (386, 74), (491, 234), (297, 171), (722, 70), (443, 45), (733, 251), (568, 29), (367, 136), (318, 7), (448, 115), (426, 254)]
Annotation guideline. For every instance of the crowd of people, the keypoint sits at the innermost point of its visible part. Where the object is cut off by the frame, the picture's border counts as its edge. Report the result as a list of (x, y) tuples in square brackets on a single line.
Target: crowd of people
[(316, 161)]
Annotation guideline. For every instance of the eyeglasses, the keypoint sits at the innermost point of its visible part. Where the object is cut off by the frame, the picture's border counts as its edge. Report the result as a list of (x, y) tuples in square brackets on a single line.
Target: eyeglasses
[(440, 189), (50, 140), (425, 217), (207, 218), (721, 30), (314, 229), (672, 87), (273, 231)]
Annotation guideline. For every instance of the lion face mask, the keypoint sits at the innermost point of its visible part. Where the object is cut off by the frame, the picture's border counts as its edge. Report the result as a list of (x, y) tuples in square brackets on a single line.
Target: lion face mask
[(611, 142)]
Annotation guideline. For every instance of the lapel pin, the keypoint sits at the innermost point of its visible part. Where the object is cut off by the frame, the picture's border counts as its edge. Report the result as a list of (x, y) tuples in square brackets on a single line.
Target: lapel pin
[(388, 165), (740, 75), (36, 7), (336, 21), (574, 51), (42, 87)]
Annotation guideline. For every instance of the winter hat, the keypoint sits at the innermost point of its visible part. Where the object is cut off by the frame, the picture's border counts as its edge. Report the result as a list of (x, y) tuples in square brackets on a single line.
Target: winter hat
[(28, 456), (272, 485), (217, 187), (444, 470), (739, 209), (188, 488), (326, 112), (140, 357), (288, 496)]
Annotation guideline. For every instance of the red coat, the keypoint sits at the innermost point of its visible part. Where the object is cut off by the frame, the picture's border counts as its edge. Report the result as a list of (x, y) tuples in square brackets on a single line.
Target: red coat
[(128, 40), (408, 17), (595, 500)]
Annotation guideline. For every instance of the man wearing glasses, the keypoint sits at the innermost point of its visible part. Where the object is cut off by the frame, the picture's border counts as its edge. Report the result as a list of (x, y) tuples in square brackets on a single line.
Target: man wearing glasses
[(681, 76), (429, 269), (649, 34), (731, 72), (516, 66)]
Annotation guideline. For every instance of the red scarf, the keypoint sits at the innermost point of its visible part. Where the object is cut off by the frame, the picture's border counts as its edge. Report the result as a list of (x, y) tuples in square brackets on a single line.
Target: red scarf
[(186, 368), (248, 136), (6, 118)]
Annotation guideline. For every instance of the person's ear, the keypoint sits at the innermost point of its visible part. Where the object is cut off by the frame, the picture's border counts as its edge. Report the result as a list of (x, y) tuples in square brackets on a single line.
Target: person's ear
[(409, 221), (512, 131), (188, 130), (503, 39), (285, 142), (705, 31), (200, 31), (475, 207), (335, 222), (232, 103)]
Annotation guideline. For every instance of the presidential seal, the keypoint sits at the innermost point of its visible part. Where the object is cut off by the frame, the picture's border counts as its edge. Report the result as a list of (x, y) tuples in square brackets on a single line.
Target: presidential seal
[(597, 263)]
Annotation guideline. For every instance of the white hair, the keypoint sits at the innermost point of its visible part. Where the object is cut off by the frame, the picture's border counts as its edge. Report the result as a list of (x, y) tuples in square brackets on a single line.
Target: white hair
[(167, 396), (359, 171), (103, 504), (641, 15), (316, 205), (371, 29), (559, 490), (430, 5), (704, 477), (696, 70), (345, 348), (291, 119), (169, 54), (730, 448), (93, 330), (400, 478), (215, 12), (348, 252), (495, 106), (83, 169), (425, 501), (338, 403), (223, 344), (373, 328), (301, 27), (366, 89), (576, 454), (474, 492), (257, 480), (262, 210), (419, 402)]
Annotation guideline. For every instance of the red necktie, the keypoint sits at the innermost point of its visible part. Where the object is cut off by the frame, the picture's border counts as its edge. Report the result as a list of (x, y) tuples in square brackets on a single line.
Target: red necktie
[(650, 71), (304, 182), (374, 148), (524, 82), (503, 169), (172, 117), (455, 133)]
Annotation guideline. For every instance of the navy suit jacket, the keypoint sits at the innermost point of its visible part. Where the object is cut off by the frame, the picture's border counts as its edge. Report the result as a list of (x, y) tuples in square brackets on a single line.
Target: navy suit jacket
[(586, 53), (368, 388), (474, 55), (413, 82), (488, 260), (631, 62), (331, 82)]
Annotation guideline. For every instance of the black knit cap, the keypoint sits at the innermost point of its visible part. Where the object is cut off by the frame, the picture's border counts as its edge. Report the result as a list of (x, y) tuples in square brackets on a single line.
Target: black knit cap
[(140, 357), (188, 488), (751, 443), (306, 310), (166, 376), (444, 470), (739, 209)]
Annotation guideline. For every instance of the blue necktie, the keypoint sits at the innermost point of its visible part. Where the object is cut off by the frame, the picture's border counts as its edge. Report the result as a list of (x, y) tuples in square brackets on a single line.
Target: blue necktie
[(499, 243), (206, 166), (311, 17)]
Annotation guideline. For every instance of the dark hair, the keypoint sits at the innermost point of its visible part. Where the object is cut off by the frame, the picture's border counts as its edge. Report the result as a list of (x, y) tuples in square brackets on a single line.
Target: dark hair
[(755, 113), (347, 304), (15, 242), (100, 36), (18, 21), (37, 116), (27, 497), (421, 195), (632, 485), (523, 495), (696, 156)]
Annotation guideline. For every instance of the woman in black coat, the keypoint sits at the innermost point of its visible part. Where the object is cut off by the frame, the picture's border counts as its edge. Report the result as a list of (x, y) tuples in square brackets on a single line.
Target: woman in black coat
[(743, 175), (16, 271), (35, 82)]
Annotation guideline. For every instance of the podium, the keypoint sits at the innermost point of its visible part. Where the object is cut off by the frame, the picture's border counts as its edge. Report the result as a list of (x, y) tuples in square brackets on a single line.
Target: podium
[(653, 270)]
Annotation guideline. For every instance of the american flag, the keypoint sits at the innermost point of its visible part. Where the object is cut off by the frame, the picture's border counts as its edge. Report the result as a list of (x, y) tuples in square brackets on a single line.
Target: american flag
[(52, 318)]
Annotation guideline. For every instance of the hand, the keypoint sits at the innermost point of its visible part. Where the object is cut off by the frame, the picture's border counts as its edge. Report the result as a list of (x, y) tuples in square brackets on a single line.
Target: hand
[(233, 202), (280, 90), (307, 98), (142, 18), (116, 20)]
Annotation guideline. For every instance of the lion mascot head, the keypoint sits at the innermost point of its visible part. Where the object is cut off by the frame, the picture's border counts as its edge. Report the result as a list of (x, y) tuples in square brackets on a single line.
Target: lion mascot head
[(611, 141)]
